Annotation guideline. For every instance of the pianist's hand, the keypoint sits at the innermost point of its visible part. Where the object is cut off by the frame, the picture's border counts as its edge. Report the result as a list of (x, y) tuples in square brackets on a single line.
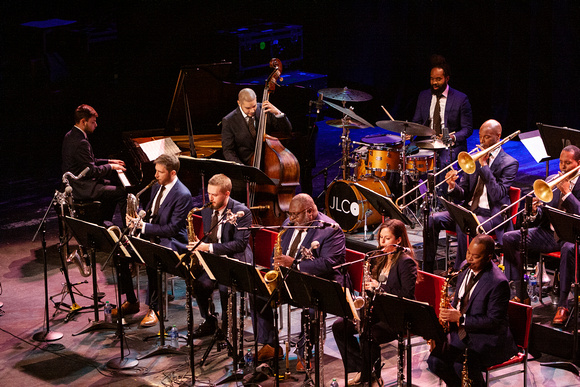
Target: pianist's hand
[(115, 161)]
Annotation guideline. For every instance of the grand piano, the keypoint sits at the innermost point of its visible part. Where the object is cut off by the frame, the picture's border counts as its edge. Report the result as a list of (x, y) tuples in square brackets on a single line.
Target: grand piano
[(202, 96)]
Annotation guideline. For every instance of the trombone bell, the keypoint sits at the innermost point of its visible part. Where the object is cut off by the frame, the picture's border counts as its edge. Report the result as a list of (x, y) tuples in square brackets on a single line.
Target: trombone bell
[(467, 162), (543, 191)]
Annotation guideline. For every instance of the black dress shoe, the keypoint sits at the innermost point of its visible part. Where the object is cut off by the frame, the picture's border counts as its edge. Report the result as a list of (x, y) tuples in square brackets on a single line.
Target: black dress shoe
[(206, 328)]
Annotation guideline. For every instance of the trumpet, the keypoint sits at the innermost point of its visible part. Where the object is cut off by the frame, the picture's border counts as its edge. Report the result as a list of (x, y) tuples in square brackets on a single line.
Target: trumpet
[(426, 181), (467, 161)]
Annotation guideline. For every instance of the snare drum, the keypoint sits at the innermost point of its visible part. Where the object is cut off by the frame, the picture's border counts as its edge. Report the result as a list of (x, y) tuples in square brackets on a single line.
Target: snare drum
[(346, 205), (421, 163)]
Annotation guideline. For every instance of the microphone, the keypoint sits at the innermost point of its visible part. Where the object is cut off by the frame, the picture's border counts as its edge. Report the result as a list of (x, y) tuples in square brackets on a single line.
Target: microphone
[(331, 225), (401, 248), (382, 278), (142, 214), (239, 214), (319, 103)]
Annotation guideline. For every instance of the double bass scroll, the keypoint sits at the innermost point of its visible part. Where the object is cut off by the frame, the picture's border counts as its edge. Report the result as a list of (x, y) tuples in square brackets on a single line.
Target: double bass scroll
[(269, 204)]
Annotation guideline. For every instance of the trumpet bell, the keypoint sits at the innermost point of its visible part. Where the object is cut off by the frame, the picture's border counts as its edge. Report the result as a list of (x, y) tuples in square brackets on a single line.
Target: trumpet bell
[(466, 162), (543, 191)]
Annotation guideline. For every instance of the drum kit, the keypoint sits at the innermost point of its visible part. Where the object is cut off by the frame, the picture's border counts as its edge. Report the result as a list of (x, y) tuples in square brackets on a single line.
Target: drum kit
[(376, 160)]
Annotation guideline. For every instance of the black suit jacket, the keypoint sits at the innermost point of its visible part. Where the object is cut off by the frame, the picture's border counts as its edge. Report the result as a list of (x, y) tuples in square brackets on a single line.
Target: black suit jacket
[(77, 154), (237, 143), (234, 242)]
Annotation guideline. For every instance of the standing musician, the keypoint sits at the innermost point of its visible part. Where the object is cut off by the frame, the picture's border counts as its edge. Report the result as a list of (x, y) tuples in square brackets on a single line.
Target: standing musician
[(239, 127), (330, 251), (484, 192), (224, 239), (542, 239), (478, 317), (395, 274), (166, 225), (442, 106), (101, 182)]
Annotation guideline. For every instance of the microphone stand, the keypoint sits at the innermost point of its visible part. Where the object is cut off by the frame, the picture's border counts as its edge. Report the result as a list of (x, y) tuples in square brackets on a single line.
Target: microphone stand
[(523, 291), (46, 335)]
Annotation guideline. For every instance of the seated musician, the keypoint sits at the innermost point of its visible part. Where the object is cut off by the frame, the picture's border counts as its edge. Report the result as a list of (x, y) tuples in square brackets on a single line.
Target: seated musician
[(483, 192), (478, 319), (166, 224), (101, 182), (222, 238), (239, 127), (299, 252), (396, 274), (541, 237)]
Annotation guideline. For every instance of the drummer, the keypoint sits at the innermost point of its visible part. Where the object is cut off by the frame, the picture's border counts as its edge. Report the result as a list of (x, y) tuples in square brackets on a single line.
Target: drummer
[(441, 107)]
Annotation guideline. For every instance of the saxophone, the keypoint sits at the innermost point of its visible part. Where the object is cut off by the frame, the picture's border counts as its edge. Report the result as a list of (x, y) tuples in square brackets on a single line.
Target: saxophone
[(465, 381), (361, 303), (445, 302), (195, 268), (272, 277), (133, 204)]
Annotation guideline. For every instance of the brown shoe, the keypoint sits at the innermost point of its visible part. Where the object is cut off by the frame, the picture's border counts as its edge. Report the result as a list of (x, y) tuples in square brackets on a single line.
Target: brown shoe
[(353, 380), (127, 308), (561, 316), (150, 319), (267, 352)]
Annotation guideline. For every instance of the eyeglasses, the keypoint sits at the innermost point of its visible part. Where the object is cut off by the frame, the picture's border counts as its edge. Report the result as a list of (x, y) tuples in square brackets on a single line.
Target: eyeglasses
[(295, 214)]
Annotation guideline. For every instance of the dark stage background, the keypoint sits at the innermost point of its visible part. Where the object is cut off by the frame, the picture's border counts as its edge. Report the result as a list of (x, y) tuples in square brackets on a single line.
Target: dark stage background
[(516, 60)]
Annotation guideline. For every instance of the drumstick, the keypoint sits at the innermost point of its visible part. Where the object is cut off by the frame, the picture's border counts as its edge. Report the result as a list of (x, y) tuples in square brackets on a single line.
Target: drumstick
[(389, 114)]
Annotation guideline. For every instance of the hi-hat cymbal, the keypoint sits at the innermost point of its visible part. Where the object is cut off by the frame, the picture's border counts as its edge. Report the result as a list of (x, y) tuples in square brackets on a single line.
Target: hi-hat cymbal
[(349, 113), (431, 144), (350, 124), (345, 94), (411, 128)]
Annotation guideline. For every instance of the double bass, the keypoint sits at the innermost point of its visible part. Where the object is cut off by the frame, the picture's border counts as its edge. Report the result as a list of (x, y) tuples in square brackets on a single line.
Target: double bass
[(269, 203)]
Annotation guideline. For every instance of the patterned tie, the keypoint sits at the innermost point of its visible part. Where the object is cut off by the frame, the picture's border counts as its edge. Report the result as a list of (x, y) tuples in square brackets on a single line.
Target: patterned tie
[(437, 116), (158, 201), (212, 237), (251, 126), (295, 243)]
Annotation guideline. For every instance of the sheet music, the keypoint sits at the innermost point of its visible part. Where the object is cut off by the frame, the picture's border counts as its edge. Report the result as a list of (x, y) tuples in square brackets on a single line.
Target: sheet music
[(156, 148), (534, 144)]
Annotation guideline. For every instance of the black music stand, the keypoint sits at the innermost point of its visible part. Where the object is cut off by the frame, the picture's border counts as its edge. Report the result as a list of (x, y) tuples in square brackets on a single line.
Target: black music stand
[(383, 205), (325, 296), (95, 238), (236, 275), (412, 317), (467, 220), (567, 227), (164, 260), (555, 138), (235, 171)]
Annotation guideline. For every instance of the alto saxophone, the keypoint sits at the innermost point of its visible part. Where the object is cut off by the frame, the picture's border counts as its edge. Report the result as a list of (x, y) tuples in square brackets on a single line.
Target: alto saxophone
[(361, 303), (273, 277), (195, 268)]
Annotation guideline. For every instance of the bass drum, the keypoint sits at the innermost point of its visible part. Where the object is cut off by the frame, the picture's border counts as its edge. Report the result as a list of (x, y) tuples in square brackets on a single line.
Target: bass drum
[(347, 206)]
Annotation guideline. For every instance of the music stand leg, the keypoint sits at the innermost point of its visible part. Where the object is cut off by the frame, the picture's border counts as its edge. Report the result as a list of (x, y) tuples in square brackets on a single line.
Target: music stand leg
[(96, 324), (162, 349), (46, 335), (121, 362), (237, 374)]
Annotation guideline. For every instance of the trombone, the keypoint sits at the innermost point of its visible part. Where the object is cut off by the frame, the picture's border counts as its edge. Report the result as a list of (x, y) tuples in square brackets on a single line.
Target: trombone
[(543, 191), (467, 161), (426, 181)]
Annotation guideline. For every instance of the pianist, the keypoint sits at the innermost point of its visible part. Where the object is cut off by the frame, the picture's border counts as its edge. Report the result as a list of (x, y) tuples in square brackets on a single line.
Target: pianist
[(101, 182)]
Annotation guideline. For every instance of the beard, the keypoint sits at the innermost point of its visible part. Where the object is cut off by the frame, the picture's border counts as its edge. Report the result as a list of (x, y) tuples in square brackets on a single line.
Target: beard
[(439, 90)]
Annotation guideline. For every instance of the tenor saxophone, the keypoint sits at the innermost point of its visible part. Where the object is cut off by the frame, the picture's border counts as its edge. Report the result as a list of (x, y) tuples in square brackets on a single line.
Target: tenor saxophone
[(361, 303), (272, 277)]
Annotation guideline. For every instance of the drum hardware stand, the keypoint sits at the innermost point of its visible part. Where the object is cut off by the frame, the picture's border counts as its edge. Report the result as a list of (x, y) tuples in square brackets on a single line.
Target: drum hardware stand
[(46, 335)]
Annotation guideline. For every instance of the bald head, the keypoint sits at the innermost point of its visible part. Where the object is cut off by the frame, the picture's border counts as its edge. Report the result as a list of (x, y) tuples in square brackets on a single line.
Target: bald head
[(246, 95), (489, 133), (492, 125)]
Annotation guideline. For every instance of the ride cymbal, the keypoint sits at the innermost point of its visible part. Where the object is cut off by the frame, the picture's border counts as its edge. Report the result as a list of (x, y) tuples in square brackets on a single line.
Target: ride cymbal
[(345, 94)]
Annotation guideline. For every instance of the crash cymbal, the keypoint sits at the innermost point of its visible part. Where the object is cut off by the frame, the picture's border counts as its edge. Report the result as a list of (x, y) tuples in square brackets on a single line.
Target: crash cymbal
[(350, 124), (431, 144), (345, 94), (349, 113), (411, 128)]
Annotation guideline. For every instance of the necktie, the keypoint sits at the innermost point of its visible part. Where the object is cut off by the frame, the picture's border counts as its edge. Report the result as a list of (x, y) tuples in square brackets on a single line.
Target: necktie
[(251, 126), (295, 243), (212, 238), (477, 194), (465, 300), (158, 201), (437, 116)]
